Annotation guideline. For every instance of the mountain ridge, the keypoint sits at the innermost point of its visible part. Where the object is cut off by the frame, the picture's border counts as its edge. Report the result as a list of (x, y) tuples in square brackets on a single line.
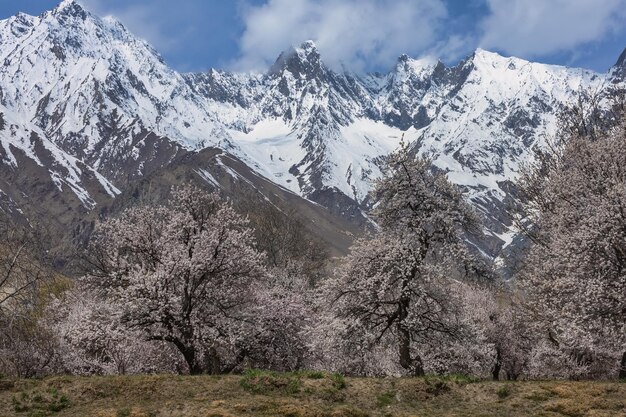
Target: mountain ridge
[(109, 100)]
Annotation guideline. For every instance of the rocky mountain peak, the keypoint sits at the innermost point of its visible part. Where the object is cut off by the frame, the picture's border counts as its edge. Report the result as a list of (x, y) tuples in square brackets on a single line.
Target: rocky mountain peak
[(421, 67), (99, 95), (70, 8), (483, 59), (302, 61), (403, 58), (24, 19), (306, 48), (19, 25), (619, 69)]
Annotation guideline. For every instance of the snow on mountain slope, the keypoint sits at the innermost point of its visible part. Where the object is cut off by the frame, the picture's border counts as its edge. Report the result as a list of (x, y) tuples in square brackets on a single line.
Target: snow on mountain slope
[(20, 137), (485, 127), (107, 99), (76, 76), (477, 120)]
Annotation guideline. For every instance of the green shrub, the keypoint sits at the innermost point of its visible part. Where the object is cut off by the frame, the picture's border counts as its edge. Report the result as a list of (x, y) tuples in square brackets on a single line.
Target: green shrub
[(264, 382), (315, 374), (503, 392), (123, 412), (385, 399), (40, 404), (436, 386), (339, 381), (61, 403)]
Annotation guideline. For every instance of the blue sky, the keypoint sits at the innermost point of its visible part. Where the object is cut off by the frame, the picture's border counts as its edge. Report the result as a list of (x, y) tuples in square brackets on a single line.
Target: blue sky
[(365, 35)]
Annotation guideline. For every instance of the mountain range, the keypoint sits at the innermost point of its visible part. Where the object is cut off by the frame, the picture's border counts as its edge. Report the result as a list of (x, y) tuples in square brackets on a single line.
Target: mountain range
[(92, 119)]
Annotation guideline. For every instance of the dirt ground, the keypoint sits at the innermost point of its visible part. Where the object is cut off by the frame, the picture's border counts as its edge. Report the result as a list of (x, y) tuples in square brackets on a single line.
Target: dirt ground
[(305, 394)]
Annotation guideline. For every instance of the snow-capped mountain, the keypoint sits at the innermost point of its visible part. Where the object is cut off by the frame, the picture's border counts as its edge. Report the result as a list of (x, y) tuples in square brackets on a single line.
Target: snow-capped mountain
[(108, 110)]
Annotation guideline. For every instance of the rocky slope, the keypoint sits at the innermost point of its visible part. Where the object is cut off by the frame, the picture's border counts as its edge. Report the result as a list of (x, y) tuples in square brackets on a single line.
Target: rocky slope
[(88, 110)]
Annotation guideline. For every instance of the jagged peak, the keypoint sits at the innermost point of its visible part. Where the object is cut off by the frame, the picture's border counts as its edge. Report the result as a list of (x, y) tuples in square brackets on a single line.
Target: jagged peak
[(306, 48), (24, 19), (484, 55), (408, 68), (24, 16), (302, 60), (306, 51), (496, 60), (70, 8), (417, 64), (67, 4), (618, 71)]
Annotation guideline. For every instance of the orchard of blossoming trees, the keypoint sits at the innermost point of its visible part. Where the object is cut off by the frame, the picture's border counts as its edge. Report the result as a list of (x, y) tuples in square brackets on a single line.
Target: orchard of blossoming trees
[(194, 286), (574, 277)]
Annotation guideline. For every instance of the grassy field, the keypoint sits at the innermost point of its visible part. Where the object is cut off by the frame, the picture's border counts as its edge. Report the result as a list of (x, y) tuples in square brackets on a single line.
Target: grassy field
[(304, 394)]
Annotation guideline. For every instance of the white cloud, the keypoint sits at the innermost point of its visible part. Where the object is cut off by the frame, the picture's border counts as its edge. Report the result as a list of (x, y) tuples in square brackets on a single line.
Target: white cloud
[(534, 28), (155, 21), (365, 34), (453, 47), (358, 33)]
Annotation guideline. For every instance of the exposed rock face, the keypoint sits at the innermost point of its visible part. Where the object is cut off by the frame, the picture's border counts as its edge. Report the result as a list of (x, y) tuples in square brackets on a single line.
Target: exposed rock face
[(88, 110)]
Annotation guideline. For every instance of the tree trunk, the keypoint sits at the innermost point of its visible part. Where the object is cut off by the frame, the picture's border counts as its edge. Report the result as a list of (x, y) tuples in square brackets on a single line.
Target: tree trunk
[(414, 366), (187, 350), (622, 369), (495, 372), (213, 362), (511, 376), (189, 354), (418, 365)]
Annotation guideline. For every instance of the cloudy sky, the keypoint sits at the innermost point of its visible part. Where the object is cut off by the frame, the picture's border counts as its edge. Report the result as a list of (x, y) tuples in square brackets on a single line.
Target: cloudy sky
[(365, 35)]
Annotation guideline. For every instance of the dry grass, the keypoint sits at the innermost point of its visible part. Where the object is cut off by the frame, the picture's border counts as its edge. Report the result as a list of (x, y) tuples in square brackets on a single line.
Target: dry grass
[(306, 395)]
